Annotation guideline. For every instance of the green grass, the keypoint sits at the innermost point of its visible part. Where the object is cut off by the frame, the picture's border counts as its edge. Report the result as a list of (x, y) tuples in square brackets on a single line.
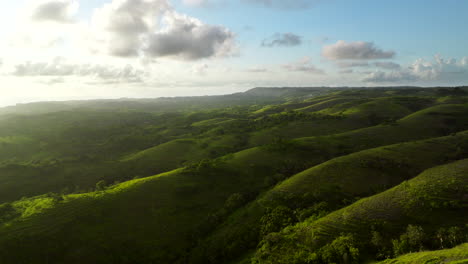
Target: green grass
[(211, 122), (457, 255), (154, 213), (324, 104), (379, 168), (337, 182), (435, 198), (306, 152)]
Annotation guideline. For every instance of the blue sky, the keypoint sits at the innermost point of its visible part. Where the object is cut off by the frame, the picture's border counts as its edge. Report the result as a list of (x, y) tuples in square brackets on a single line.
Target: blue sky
[(72, 49)]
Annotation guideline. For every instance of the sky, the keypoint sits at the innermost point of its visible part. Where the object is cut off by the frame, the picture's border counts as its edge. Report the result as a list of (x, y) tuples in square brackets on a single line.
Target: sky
[(76, 49)]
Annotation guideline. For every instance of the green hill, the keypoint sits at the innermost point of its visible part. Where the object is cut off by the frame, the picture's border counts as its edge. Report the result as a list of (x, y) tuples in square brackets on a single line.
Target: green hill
[(435, 198), (457, 255), (336, 182), (269, 175)]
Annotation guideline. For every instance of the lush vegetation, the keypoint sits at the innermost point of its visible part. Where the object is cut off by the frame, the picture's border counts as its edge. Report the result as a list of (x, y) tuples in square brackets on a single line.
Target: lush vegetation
[(280, 175)]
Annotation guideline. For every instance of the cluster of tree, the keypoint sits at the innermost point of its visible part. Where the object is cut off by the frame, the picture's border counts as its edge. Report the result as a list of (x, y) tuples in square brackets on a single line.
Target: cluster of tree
[(343, 249), (416, 239)]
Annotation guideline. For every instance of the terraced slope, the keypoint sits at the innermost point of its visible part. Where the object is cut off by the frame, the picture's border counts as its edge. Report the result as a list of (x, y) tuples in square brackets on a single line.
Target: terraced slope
[(422, 201)]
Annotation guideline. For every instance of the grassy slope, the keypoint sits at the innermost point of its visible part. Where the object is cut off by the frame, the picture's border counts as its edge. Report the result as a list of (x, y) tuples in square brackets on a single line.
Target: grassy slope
[(158, 214), (168, 156), (77, 149), (59, 152), (435, 198), (339, 179), (355, 113), (307, 152), (427, 123), (457, 255), (379, 168)]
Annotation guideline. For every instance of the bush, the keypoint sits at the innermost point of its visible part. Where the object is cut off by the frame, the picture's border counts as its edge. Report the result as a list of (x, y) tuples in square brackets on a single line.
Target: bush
[(276, 219), (410, 241), (342, 250)]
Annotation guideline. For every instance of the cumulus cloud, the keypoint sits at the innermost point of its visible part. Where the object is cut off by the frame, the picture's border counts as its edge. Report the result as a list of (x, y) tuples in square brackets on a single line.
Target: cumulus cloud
[(359, 50), (437, 70), (60, 68), (60, 11), (287, 4), (303, 65), (387, 65), (120, 27), (389, 77), (282, 39), (188, 38), (129, 28)]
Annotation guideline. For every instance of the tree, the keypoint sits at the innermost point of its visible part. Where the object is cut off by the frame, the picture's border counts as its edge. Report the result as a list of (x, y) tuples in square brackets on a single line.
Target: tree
[(342, 250), (277, 219), (455, 236), (416, 237), (410, 241)]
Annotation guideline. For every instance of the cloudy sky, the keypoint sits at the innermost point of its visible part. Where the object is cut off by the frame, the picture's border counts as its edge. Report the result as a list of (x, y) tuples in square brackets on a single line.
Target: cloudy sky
[(77, 49)]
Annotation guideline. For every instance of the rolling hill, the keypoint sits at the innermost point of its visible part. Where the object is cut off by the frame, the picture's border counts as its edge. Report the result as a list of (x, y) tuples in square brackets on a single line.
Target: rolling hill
[(269, 176)]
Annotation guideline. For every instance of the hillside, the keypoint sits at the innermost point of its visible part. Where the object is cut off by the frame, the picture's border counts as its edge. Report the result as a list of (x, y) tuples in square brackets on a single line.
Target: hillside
[(334, 184), (261, 175), (434, 199), (457, 255)]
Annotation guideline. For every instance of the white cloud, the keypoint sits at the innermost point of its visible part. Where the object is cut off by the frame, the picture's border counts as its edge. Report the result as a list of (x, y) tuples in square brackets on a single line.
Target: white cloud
[(40, 25), (282, 39), (439, 70), (200, 69), (121, 27), (188, 38), (303, 65), (359, 50), (59, 11), (59, 67), (346, 64), (387, 65), (130, 28), (197, 3), (389, 77)]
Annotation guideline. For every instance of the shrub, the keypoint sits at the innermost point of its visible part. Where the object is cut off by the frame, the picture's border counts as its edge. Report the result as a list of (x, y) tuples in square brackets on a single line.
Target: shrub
[(410, 241), (342, 250), (277, 219)]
